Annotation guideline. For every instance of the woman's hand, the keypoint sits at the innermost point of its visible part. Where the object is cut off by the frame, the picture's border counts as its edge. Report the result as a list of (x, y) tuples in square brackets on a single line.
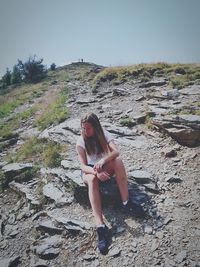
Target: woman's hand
[(103, 176), (99, 165)]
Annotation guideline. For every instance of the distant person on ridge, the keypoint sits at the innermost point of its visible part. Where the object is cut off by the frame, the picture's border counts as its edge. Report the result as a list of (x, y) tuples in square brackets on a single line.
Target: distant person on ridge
[(99, 159)]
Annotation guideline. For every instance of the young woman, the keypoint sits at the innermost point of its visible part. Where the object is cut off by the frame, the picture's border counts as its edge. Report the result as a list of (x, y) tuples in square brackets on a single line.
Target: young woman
[(99, 159)]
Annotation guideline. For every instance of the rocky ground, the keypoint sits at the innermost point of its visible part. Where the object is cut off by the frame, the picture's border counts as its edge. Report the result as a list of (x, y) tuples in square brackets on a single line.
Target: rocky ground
[(45, 224)]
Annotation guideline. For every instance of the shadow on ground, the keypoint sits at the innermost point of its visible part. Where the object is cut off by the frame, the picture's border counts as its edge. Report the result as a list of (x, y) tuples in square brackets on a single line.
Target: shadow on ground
[(111, 199), (121, 222)]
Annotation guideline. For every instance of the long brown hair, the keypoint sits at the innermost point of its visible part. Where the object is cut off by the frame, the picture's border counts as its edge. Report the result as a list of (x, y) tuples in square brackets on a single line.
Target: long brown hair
[(96, 144)]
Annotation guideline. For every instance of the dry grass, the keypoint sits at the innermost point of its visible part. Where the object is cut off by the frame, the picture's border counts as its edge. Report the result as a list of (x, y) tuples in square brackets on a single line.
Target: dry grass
[(179, 75)]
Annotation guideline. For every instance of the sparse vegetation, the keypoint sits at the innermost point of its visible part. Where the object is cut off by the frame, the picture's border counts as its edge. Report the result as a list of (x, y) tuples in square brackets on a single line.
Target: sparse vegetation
[(2, 181), (30, 151), (12, 99), (6, 108), (24, 94), (177, 82), (179, 75), (148, 122), (55, 113), (51, 156), (7, 129), (148, 118), (62, 75), (39, 151), (127, 121), (192, 108)]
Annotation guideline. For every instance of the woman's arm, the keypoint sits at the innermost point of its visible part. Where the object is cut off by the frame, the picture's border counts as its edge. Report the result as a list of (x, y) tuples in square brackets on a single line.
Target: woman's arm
[(113, 154), (83, 161), (110, 156), (103, 176)]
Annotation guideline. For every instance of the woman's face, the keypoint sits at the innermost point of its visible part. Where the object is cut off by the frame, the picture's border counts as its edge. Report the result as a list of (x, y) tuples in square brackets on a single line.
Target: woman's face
[(87, 129)]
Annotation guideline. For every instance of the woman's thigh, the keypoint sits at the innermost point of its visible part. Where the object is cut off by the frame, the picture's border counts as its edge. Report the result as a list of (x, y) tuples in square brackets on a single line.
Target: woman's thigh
[(109, 168)]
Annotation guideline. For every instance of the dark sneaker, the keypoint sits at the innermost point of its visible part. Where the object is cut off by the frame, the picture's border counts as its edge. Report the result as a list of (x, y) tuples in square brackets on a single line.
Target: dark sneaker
[(103, 236), (133, 209)]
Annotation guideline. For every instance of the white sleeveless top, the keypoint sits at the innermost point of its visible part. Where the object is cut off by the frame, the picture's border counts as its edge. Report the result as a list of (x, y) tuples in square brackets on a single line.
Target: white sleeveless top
[(93, 158)]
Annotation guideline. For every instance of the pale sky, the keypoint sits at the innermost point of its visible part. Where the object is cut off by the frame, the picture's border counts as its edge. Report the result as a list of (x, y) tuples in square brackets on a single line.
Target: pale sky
[(104, 32)]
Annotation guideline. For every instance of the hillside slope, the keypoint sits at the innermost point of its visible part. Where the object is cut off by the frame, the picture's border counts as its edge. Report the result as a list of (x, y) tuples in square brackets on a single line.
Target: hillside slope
[(153, 111)]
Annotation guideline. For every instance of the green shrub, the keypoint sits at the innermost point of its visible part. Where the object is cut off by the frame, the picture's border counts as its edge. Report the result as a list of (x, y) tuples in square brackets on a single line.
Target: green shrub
[(7, 129), (6, 79), (27, 174), (196, 75), (38, 151), (26, 114), (16, 75), (53, 66), (2, 181), (30, 150), (127, 122), (177, 82), (32, 70), (51, 156), (8, 107)]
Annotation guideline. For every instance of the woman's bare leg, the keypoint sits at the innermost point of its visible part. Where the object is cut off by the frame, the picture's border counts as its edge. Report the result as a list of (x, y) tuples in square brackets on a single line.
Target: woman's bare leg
[(94, 197), (117, 166)]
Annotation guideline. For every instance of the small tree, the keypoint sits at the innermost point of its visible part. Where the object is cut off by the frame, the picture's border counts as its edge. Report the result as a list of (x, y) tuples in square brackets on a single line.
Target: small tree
[(16, 75), (2, 86), (53, 66), (6, 79), (32, 70)]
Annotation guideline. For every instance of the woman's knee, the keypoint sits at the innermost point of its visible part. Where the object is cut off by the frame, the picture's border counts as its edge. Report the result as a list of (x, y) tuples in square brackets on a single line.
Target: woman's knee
[(90, 179)]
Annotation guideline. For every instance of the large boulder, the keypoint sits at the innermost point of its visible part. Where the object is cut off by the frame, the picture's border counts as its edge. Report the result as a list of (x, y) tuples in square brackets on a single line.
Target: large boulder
[(185, 129), (17, 171)]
